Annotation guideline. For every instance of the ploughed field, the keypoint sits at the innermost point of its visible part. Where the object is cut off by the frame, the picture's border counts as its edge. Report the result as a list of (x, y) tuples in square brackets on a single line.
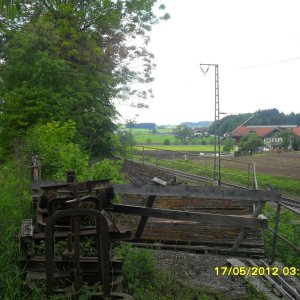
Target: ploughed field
[(286, 164)]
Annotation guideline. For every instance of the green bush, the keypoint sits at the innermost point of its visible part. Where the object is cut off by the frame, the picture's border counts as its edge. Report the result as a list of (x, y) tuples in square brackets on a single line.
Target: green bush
[(167, 142), (106, 169), (54, 144)]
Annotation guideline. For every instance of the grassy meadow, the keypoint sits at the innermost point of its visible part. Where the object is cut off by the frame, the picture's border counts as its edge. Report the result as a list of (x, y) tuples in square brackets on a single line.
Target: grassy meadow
[(179, 148), (147, 137)]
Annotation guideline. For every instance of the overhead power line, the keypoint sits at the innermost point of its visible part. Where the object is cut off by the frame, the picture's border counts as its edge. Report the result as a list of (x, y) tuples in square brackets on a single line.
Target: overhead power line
[(270, 63)]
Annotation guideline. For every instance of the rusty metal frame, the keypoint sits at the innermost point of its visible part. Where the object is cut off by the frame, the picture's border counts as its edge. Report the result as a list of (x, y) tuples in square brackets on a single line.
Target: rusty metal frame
[(102, 247)]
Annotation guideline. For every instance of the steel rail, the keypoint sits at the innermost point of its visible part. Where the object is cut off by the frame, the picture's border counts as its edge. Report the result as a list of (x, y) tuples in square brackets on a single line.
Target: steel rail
[(288, 203)]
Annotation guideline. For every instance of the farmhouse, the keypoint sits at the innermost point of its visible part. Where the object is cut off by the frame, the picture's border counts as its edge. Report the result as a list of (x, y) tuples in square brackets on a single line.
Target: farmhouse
[(270, 133), (200, 131)]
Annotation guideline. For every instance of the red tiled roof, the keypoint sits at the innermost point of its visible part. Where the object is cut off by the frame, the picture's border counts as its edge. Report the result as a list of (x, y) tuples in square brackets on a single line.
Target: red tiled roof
[(260, 131), (296, 130)]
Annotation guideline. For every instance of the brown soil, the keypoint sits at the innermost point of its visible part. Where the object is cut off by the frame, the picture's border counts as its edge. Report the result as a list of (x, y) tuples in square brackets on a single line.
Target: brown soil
[(286, 164)]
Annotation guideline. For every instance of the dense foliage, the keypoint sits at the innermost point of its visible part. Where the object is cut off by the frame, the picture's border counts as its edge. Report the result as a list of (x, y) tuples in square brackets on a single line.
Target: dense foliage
[(63, 60), (183, 133), (55, 144)]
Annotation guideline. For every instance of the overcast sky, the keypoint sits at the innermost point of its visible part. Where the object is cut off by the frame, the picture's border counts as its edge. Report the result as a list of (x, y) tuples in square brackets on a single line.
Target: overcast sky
[(236, 35)]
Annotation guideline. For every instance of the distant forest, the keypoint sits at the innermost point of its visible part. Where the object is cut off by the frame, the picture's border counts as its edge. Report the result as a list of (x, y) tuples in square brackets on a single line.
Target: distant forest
[(260, 118), (197, 124)]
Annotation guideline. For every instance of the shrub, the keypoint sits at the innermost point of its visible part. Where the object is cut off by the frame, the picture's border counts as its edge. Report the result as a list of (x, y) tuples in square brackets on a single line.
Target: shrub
[(167, 142), (138, 268), (108, 169), (53, 143)]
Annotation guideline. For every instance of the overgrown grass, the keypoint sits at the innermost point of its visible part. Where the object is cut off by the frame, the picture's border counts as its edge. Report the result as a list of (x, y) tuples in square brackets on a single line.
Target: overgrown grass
[(289, 228), (144, 282), (14, 206)]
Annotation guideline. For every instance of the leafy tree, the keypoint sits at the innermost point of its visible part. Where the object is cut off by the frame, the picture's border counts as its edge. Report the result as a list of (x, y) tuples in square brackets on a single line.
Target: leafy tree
[(64, 60), (296, 143), (250, 142), (286, 136), (228, 145), (183, 132)]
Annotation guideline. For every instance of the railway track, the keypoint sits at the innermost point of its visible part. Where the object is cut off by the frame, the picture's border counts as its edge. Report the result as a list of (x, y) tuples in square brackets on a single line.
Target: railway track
[(182, 236), (276, 282), (275, 285), (292, 204)]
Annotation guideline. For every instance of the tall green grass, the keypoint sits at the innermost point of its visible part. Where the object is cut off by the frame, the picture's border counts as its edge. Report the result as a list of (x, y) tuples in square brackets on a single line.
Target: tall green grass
[(14, 206), (289, 228), (144, 281)]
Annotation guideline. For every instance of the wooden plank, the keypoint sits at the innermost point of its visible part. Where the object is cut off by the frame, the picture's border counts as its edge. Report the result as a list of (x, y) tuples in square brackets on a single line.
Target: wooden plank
[(144, 219), (243, 232), (201, 218), (198, 192), (159, 181), (253, 251)]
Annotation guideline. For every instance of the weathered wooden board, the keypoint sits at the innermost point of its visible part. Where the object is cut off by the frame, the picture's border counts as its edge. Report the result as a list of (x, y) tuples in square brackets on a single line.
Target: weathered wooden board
[(204, 219), (210, 193)]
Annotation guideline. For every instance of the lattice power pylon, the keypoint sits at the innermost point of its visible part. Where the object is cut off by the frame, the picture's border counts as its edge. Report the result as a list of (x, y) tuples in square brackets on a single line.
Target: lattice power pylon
[(217, 146)]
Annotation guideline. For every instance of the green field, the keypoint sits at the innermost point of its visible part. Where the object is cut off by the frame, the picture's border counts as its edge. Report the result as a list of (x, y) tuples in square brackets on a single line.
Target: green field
[(147, 137), (183, 148), (150, 138)]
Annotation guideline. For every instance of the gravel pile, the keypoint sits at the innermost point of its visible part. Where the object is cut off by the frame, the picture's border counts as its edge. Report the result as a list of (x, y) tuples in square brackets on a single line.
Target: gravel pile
[(198, 272)]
